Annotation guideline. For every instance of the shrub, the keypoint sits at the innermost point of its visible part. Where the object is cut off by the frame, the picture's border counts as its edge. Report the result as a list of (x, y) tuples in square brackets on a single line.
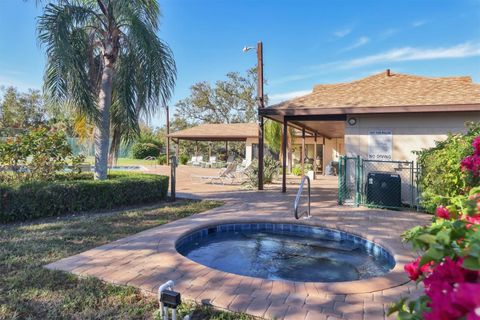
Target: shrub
[(29, 200), (183, 159), (441, 176), (162, 159), (142, 150), (449, 264), (35, 155), (270, 171), (297, 170)]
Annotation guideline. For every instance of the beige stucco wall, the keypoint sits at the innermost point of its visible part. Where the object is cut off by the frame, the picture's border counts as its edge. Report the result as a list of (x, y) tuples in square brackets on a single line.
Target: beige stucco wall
[(410, 132)]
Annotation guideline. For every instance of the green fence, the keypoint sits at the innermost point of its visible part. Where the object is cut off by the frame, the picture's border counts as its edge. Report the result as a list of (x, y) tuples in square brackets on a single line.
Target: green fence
[(86, 147), (374, 183)]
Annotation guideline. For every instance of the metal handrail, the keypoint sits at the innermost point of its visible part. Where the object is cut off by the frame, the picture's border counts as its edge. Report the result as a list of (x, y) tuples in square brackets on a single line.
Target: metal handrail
[(299, 196)]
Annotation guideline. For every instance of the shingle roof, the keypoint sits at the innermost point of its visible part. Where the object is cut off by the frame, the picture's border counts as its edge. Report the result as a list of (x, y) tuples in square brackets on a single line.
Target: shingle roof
[(218, 132), (389, 89)]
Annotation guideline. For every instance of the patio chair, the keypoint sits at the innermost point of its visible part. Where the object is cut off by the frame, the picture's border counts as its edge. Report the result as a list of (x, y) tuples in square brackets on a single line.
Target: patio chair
[(223, 175), (242, 165), (212, 162), (196, 161), (241, 172)]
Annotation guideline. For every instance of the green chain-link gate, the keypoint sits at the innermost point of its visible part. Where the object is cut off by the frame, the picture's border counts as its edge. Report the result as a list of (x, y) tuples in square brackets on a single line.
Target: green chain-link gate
[(374, 183)]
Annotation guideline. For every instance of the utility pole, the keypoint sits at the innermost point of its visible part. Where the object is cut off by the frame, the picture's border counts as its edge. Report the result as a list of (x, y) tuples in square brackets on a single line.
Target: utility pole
[(261, 105)]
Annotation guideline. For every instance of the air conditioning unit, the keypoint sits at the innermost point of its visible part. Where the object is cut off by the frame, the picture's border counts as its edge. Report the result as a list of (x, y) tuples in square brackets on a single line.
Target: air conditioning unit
[(384, 189)]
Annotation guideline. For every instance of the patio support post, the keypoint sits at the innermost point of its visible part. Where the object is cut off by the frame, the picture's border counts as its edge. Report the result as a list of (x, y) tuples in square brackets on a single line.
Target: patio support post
[(226, 148), (196, 148), (284, 155), (168, 132), (323, 156), (260, 106), (177, 149), (315, 156), (303, 151), (290, 156)]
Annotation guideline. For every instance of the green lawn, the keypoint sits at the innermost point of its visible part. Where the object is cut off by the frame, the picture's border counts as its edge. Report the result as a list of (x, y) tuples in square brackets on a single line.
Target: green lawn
[(28, 291)]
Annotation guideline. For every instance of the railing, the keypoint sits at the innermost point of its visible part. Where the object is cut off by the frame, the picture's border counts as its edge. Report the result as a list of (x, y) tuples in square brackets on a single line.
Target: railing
[(299, 196)]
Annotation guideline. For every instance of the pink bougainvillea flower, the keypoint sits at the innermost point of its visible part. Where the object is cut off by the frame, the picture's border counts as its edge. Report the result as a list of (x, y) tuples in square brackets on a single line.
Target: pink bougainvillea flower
[(472, 220), (466, 298), (414, 270), (452, 291), (474, 315), (467, 163), (476, 145), (440, 303), (442, 212), (450, 272), (472, 164)]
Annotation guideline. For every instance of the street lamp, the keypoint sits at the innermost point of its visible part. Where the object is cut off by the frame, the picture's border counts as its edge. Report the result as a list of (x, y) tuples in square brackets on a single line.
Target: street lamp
[(260, 105)]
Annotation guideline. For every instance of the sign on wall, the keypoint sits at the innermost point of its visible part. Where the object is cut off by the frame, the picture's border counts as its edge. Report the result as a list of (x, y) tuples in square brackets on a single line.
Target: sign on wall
[(380, 144)]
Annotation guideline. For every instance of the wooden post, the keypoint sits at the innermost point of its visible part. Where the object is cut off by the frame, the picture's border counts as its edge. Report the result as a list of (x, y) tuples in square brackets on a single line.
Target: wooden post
[(173, 178), (290, 155), (260, 103), (168, 132), (284, 153), (315, 156), (226, 149), (303, 151), (177, 149), (323, 156), (196, 148)]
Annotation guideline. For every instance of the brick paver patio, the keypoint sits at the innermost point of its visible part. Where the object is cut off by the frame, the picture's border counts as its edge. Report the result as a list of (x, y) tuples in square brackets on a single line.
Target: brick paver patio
[(148, 259)]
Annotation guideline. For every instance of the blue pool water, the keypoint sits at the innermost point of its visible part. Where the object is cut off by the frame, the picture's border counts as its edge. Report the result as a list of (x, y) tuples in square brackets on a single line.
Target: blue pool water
[(286, 251)]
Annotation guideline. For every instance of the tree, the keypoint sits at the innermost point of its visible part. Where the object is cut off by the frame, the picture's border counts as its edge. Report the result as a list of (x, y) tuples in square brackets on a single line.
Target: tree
[(229, 101), (21, 110), (105, 59)]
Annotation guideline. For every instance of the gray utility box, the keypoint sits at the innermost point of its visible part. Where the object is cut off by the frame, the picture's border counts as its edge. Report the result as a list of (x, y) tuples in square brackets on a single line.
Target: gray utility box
[(384, 189)]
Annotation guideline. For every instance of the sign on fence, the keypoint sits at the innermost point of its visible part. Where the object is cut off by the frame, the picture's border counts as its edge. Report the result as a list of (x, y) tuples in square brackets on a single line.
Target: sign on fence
[(380, 144)]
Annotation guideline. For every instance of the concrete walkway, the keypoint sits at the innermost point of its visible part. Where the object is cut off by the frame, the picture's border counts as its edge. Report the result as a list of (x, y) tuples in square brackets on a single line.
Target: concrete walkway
[(149, 258)]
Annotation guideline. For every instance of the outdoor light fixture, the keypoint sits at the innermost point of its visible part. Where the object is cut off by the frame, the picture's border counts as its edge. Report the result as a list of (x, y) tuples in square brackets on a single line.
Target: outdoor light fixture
[(245, 49), (352, 121), (168, 299)]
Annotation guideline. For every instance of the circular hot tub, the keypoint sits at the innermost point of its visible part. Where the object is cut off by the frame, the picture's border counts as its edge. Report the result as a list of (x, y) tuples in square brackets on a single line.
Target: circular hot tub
[(286, 251)]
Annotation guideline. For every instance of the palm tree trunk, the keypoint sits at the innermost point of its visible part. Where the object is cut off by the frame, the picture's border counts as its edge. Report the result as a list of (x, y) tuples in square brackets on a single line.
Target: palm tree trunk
[(102, 128)]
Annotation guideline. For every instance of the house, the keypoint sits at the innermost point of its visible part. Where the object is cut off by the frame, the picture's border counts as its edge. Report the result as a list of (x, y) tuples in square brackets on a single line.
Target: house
[(385, 116)]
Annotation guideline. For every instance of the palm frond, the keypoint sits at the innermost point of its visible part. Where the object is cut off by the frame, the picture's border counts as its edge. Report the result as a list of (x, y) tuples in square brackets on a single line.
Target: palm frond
[(66, 42)]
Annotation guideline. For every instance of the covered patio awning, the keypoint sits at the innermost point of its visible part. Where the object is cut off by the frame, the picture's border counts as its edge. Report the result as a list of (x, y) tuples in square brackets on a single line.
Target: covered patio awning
[(218, 132)]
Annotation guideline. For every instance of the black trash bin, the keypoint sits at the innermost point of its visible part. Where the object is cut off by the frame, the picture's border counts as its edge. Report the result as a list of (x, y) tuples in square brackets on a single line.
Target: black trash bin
[(384, 189)]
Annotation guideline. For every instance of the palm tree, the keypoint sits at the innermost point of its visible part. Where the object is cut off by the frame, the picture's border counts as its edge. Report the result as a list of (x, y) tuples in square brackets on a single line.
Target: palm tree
[(105, 58)]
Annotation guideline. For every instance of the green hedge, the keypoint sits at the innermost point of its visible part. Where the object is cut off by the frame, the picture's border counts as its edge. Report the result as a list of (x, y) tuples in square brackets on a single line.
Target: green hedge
[(45, 199)]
